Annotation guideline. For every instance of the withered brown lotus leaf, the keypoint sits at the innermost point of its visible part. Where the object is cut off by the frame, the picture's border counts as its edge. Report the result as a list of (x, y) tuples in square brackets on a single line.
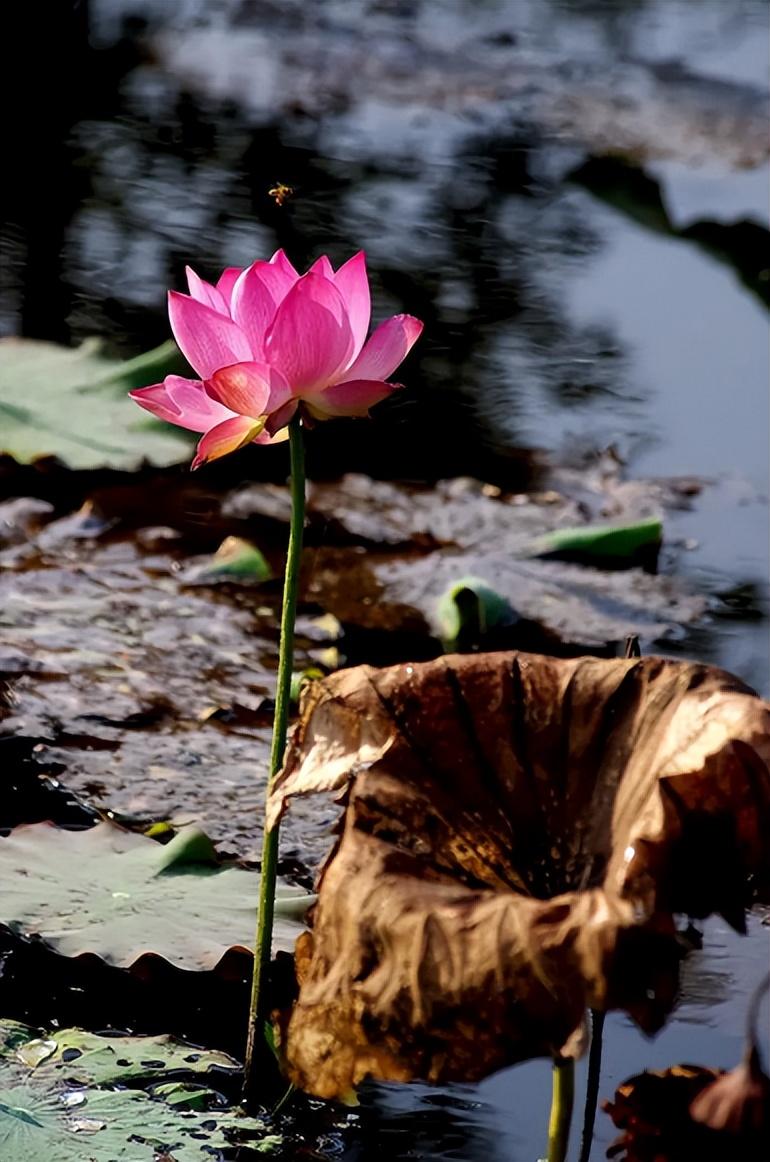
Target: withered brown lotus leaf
[(518, 831), (651, 1110), (738, 1102)]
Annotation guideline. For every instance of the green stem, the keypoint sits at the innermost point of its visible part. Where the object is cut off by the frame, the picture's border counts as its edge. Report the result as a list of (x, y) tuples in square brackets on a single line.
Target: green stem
[(592, 1084), (263, 941), (632, 649), (561, 1108)]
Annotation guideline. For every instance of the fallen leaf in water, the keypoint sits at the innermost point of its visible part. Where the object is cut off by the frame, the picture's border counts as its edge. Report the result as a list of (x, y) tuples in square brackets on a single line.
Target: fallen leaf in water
[(518, 832), (652, 1111), (420, 541), (121, 671), (570, 603), (738, 1102)]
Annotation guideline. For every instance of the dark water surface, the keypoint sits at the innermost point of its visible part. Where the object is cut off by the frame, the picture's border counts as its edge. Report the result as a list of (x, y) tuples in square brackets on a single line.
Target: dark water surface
[(572, 303)]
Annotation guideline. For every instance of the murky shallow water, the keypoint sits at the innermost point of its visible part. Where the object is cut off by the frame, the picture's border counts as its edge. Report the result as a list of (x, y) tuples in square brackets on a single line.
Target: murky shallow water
[(441, 137), (504, 1118)]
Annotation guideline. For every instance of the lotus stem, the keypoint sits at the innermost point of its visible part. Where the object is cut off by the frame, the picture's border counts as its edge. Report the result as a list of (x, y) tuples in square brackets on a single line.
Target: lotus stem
[(263, 942), (562, 1099), (592, 1084), (752, 1015), (631, 648)]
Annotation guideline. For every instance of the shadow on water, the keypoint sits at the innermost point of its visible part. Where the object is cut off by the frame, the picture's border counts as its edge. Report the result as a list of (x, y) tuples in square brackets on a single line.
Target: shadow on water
[(567, 305)]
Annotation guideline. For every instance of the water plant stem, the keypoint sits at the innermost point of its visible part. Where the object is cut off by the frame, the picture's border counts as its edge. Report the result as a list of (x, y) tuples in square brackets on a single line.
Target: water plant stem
[(562, 1099), (592, 1084), (263, 940)]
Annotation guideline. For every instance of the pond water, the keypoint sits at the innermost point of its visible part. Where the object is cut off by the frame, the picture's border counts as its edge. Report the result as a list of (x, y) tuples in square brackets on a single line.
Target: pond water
[(572, 304)]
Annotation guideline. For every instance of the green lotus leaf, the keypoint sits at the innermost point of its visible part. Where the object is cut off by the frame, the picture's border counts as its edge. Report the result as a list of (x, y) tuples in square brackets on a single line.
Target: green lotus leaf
[(236, 560), (44, 1120), (468, 609), (120, 896), (53, 1107), (73, 404), (87, 1059), (605, 542)]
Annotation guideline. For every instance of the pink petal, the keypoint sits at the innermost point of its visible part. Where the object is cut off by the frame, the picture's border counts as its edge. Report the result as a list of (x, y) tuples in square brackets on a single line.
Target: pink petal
[(278, 276), (227, 281), (281, 417), (250, 389), (182, 402), (310, 340), (154, 399), (323, 267), (206, 339), (254, 302), (352, 398), (195, 406), (204, 292), (226, 437), (388, 346), (282, 264), (353, 284), (266, 438)]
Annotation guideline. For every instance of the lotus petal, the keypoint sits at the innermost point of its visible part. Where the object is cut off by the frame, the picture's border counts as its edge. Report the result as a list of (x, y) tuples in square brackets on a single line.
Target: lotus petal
[(279, 419), (387, 348), (207, 339), (227, 437), (323, 267), (352, 282), (183, 402), (249, 389), (204, 292), (254, 303), (309, 340), (227, 281), (284, 268), (351, 398)]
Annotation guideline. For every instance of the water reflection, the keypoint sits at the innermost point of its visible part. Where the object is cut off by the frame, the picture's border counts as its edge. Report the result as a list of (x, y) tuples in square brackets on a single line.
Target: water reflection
[(421, 1122), (432, 135)]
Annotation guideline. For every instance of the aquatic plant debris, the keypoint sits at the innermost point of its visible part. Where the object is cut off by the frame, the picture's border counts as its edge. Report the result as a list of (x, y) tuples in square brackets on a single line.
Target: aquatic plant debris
[(422, 541), (114, 664), (150, 689), (692, 1111), (518, 832), (652, 1111), (59, 1105), (122, 896), (739, 1101)]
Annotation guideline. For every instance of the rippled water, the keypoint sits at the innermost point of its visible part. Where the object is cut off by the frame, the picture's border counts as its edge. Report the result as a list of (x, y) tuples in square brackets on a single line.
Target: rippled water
[(568, 307)]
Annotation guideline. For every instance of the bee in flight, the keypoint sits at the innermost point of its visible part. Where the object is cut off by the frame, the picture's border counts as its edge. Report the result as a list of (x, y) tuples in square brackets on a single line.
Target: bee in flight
[(281, 193)]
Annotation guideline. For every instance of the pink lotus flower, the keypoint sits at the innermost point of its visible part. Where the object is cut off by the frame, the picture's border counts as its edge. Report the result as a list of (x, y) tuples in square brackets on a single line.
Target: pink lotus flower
[(266, 341)]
